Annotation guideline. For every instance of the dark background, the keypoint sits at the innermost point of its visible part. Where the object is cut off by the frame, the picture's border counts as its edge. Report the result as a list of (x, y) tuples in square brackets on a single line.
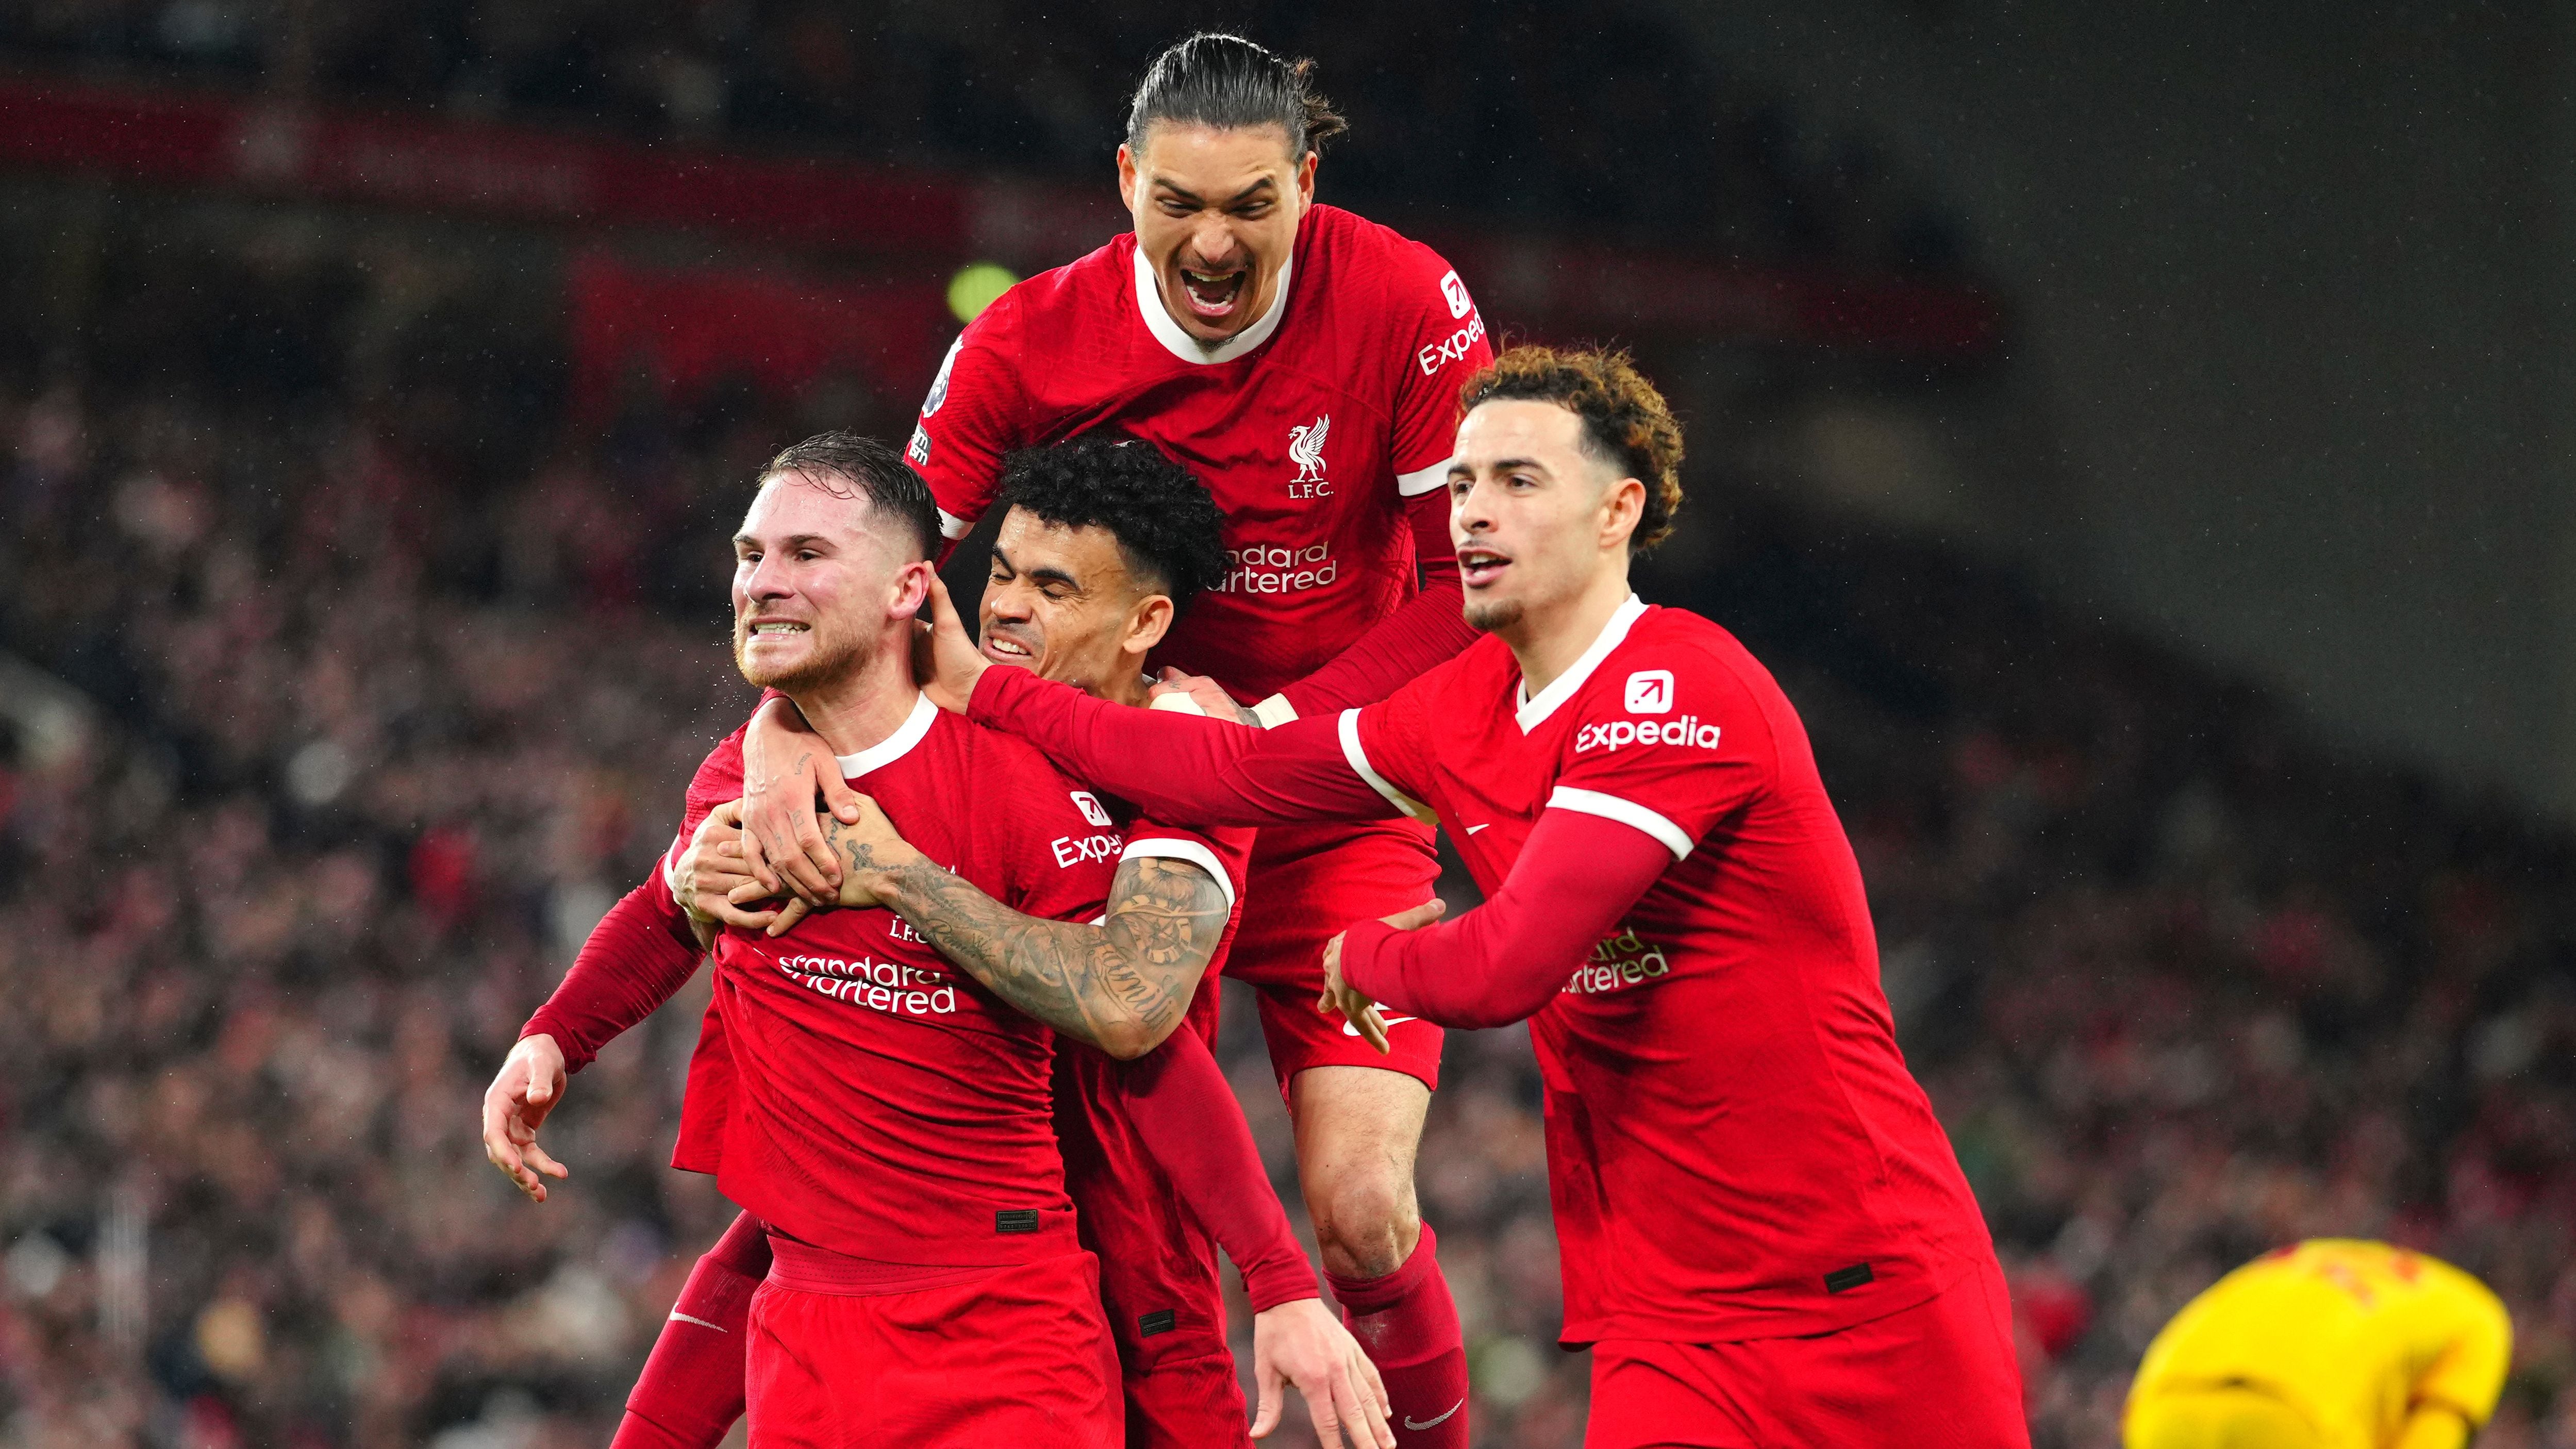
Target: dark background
[(2133, 437)]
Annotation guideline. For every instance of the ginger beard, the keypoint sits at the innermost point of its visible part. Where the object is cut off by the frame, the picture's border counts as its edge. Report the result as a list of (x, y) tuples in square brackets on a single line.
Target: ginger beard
[(831, 651), (811, 615)]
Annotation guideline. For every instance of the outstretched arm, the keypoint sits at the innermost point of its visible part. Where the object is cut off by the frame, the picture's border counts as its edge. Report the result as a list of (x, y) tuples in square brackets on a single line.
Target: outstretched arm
[(1122, 985), (1501, 962), (1181, 768)]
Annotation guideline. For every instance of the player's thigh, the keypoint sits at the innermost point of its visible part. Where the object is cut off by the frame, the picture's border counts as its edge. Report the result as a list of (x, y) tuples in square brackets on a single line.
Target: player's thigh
[(1019, 1358), (792, 1398), (1661, 1396), (1358, 1130)]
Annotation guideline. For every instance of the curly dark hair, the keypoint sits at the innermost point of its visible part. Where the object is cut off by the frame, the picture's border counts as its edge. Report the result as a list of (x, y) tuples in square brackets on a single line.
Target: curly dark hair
[(1626, 423), (1169, 531)]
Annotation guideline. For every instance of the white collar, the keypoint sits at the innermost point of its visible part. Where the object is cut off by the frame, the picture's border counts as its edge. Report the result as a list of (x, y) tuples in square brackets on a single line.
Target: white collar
[(894, 746), (1562, 688), (1149, 304)]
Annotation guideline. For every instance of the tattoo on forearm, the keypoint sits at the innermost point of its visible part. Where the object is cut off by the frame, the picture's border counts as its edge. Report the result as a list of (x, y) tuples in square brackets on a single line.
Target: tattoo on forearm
[(1120, 983)]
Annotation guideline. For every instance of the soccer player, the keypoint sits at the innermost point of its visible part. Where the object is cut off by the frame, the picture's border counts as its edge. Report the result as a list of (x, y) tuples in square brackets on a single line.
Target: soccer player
[(1765, 1237), (887, 1122), (1305, 364), (1104, 544), (2332, 1343)]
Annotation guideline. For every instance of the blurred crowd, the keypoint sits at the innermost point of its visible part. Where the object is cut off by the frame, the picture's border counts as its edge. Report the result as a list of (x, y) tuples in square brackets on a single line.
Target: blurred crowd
[(344, 681), (1469, 106)]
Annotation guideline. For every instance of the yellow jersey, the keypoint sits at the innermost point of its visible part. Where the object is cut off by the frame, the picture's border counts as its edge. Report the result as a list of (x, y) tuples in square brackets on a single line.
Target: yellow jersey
[(2351, 1334)]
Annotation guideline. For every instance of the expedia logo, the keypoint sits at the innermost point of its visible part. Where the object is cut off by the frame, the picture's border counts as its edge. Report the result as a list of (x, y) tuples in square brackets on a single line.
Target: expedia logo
[(1450, 287), (1089, 805), (1618, 733), (1071, 850), (1650, 691), (1452, 348)]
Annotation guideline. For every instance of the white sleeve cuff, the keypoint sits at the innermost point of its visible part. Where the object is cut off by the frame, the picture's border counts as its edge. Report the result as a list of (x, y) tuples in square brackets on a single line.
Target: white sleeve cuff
[(1274, 711), (671, 871), (952, 526), (1167, 848), (1423, 480), (1358, 758), (1626, 812)]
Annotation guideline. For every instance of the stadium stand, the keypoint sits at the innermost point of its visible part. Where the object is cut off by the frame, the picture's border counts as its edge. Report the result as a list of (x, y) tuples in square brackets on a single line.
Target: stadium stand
[(373, 677), (1022, 87)]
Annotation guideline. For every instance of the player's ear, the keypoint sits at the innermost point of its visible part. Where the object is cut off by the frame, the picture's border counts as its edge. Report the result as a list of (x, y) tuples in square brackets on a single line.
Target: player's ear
[(1306, 178), (1127, 176), (910, 591), (1147, 623), (1621, 507)]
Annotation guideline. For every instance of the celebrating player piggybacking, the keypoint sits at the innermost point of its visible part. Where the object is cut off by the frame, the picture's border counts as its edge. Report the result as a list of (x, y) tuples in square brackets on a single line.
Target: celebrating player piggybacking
[(1305, 364), (1765, 1237)]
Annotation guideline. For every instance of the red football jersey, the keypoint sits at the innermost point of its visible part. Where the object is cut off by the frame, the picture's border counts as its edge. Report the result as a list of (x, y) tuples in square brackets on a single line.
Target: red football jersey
[(874, 1100), (1735, 1148), (1311, 428), (707, 1105)]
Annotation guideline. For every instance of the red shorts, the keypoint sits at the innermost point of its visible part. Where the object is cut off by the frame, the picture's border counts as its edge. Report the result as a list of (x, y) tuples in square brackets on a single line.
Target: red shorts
[(1158, 1267), (1938, 1375), (1307, 884), (1017, 1357)]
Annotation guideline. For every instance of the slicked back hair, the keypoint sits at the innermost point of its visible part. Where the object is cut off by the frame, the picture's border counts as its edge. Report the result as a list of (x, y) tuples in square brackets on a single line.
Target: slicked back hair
[(1227, 82), (1170, 532), (1626, 423), (837, 461)]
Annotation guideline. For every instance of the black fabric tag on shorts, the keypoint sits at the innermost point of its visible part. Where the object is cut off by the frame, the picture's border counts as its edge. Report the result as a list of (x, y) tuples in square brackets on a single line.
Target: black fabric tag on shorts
[(1161, 1320), (1842, 1279), (1015, 1220)]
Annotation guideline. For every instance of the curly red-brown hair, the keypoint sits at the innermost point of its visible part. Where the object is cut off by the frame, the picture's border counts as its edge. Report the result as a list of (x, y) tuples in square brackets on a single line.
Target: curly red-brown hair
[(1626, 423)]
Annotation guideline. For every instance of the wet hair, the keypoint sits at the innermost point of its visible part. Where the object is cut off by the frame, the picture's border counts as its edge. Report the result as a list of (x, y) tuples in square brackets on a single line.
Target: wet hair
[(1169, 531), (1626, 423), (877, 473), (1227, 82)]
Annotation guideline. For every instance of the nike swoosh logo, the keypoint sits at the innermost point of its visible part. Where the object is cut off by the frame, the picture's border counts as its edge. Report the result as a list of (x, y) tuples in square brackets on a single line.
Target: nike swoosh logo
[(1350, 1030), (1434, 1423), (678, 1317), (1472, 829)]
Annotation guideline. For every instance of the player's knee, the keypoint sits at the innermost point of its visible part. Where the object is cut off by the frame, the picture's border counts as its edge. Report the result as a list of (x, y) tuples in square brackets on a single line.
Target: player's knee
[(1365, 1223)]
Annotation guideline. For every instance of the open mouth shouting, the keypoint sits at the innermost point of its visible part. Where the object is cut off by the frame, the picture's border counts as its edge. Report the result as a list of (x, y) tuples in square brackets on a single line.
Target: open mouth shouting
[(1214, 295), (1479, 565)]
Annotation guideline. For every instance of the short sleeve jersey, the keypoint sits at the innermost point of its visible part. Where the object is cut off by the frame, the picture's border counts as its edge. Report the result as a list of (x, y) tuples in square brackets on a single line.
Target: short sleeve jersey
[(2352, 1333), (1735, 1147), (1311, 428), (877, 1101)]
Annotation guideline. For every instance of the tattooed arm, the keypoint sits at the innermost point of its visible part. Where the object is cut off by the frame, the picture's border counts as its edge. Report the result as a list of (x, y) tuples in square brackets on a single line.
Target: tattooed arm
[(1121, 985)]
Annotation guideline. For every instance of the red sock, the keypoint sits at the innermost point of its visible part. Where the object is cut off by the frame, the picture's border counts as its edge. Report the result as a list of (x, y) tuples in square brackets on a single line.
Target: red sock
[(1409, 1326), (691, 1389)]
